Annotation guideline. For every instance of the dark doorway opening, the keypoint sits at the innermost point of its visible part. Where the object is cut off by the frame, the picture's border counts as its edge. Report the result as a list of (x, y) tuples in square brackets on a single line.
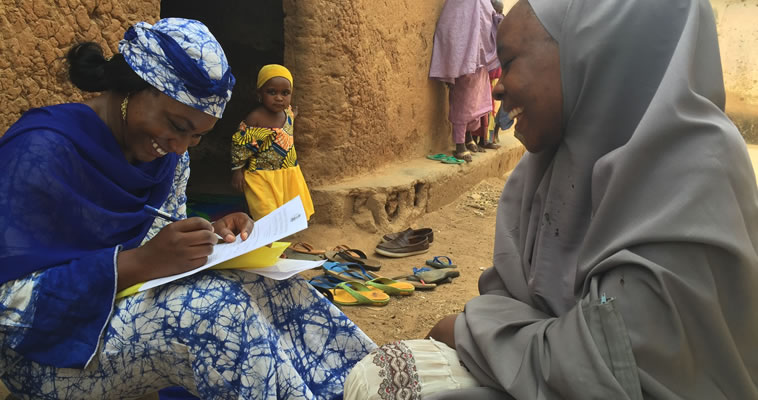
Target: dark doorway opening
[(252, 35)]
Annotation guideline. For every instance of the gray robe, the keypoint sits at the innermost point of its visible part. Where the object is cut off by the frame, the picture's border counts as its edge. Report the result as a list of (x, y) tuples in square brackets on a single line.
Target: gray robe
[(625, 260)]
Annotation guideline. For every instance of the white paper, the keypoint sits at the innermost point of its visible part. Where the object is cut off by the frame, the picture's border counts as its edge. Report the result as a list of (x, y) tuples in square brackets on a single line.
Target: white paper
[(282, 222), (285, 268)]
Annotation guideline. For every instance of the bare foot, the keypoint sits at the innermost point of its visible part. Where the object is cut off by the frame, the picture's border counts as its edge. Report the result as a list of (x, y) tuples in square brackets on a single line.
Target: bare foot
[(472, 146), (463, 155)]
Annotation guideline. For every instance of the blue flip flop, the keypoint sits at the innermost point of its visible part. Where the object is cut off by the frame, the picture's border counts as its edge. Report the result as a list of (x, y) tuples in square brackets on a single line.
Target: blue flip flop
[(354, 272), (324, 284), (346, 271), (441, 262)]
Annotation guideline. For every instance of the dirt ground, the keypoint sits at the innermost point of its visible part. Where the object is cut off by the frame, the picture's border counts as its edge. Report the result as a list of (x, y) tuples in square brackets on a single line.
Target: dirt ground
[(463, 230)]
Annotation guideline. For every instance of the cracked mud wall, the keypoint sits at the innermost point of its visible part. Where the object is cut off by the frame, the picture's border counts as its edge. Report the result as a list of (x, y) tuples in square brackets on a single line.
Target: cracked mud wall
[(34, 39)]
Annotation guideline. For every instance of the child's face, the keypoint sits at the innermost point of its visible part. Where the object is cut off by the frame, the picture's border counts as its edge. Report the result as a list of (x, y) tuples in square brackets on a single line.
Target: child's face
[(276, 94)]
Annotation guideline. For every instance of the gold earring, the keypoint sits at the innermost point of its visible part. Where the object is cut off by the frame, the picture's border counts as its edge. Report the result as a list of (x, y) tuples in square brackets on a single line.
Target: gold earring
[(124, 104)]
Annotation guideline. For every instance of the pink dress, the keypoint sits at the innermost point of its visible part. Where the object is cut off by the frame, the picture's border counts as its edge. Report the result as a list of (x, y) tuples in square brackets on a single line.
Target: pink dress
[(470, 100)]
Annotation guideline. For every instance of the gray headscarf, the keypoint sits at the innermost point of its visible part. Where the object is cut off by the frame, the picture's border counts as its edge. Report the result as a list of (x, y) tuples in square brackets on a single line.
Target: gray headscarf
[(649, 200)]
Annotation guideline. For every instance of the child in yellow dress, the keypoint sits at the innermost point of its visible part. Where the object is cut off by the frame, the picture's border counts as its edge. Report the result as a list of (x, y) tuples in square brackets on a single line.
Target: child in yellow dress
[(264, 162)]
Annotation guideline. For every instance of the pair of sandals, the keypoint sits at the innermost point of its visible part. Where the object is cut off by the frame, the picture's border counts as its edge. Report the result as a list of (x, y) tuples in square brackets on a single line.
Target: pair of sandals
[(345, 254), (439, 270), (348, 293), (445, 159), (350, 284), (341, 253)]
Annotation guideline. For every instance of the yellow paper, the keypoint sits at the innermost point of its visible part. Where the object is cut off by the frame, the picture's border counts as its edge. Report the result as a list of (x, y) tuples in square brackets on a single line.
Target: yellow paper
[(129, 291), (259, 258)]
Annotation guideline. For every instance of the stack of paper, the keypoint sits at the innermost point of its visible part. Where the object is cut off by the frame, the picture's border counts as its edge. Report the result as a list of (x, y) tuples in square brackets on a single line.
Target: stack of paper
[(282, 222)]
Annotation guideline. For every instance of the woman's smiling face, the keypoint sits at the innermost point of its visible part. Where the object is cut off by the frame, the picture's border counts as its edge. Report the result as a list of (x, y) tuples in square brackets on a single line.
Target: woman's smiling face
[(157, 125), (530, 85)]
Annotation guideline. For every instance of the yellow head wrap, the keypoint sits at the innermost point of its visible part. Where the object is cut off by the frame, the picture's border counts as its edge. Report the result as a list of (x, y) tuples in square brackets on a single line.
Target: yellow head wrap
[(273, 71)]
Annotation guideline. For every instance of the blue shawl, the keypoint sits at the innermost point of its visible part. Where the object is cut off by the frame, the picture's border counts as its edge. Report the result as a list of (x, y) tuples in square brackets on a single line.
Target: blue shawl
[(67, 191)]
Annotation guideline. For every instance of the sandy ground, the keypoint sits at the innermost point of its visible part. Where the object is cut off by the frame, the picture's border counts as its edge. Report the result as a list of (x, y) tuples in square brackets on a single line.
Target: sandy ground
[(463, 230)]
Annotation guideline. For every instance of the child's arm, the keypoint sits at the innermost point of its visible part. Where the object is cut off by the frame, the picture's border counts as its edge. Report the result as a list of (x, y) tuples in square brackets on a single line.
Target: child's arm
[(240, 153)]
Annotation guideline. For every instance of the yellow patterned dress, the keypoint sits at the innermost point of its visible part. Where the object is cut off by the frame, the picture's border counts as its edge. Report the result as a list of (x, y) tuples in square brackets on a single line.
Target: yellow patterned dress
[(272, 174)]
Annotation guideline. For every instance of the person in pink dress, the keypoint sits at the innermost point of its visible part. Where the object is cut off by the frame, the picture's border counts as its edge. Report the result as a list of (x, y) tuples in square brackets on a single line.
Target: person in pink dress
[(464, 52)]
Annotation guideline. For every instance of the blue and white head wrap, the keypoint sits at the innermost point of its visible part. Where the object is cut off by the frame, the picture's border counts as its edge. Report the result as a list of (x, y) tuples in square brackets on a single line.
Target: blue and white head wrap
[(181, 58)]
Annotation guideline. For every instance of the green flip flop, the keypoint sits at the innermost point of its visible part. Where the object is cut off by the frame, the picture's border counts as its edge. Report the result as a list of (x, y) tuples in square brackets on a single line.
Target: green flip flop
[(437, 157), (353, 272), (391, 286), (452, 160), (355, 293)]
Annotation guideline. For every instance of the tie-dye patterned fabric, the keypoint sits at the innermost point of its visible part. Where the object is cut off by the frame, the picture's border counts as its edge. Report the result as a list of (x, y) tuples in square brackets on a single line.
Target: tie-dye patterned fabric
[(264, 148), (181, 58), (220, 334)]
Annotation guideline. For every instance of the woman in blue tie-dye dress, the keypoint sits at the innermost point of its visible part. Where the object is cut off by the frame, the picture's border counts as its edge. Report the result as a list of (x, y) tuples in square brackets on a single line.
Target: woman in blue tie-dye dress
[(75, 179)]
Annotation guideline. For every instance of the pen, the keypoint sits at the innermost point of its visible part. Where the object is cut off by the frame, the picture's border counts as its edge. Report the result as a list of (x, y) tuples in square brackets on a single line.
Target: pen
[(160, 214), (166, 216)]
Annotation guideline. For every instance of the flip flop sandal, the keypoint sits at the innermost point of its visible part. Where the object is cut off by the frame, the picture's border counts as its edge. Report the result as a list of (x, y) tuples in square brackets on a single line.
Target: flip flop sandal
[(356, 293), (324, 284), (434, 276), (341, 247), (441, 262), (354, 272), (306, 248), (472, 146), (452, 160), (294, 255), (354, 256), (391, 286), (346, 272), (417, 285), (437, 157), (491, 145)]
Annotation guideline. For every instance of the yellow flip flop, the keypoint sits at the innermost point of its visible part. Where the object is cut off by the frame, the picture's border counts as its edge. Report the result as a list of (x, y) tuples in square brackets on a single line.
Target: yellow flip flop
[(392, 287), (355, 293), (353, 272)]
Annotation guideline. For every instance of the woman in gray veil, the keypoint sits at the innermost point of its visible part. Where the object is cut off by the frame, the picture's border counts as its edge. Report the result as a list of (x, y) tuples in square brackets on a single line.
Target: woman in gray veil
[(625, 260)]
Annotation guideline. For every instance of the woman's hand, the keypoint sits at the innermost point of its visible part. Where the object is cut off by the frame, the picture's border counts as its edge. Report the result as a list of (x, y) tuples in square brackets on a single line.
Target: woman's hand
[(444, 331), (229, 226), (238, 179), (179, 247)]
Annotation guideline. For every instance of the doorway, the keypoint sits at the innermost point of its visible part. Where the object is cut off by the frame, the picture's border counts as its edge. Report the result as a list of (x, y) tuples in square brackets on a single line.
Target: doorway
[(252, 35)]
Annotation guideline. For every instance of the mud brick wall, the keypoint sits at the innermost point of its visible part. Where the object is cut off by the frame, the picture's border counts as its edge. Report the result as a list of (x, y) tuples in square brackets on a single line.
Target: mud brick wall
[(360, 70), (34, 38)]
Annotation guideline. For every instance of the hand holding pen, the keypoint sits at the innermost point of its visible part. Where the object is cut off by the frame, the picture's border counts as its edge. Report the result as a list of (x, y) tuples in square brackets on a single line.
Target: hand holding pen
[(166, 216), (227, 225), (180, 246)]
